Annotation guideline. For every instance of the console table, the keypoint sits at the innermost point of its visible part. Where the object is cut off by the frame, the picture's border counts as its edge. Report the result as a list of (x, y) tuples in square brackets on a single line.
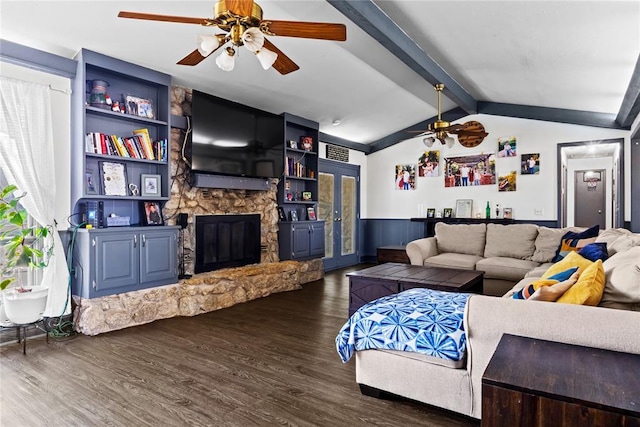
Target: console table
[(430, 223), (386, 279), (531, 382), (392, 253)]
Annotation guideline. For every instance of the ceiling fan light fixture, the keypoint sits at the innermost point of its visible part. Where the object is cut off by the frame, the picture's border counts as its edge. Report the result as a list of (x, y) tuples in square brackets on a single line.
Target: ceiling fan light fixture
[(207, 43), (253, 39), (226, 60), (429, 141), (449, 141), (266, 57)]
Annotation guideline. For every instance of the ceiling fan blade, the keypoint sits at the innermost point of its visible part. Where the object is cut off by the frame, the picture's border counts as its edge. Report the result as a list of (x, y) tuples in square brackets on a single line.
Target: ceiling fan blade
[(471, 133), (194, 58), (284, 64), (419, 131), (239, 7), (165, 18), (307, 30)]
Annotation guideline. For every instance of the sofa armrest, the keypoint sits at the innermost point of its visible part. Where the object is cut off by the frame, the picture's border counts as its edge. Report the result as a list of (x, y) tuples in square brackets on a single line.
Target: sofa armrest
[(421, 249), (487, 318)]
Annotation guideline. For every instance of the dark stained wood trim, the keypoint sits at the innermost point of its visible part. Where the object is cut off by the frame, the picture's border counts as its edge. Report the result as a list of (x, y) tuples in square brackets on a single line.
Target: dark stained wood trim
[(368, 16), (635, 185), (631, 102), (36, 59), (558, 115), (403, 135)]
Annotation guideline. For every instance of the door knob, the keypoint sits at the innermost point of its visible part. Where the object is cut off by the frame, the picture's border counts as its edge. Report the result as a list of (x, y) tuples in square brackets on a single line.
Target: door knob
[(599, 211)]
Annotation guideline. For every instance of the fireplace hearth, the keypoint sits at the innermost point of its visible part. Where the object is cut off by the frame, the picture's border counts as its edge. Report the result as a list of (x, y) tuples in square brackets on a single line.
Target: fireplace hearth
[(224, 241)]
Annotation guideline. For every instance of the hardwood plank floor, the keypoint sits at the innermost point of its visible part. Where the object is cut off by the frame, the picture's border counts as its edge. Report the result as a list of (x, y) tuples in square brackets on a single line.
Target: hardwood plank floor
[(270, 361)]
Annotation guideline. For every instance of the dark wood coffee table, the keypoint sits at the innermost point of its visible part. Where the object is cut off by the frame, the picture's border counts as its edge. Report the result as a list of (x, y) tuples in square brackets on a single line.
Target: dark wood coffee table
[(531, 382), (391, 278)]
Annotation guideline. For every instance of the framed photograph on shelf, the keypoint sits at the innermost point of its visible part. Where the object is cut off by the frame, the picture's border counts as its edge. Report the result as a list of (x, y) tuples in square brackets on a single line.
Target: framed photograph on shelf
[(90, 183), (448, 212), (306, 143), (150, 185), (114, 178), (431, 213), (293, 215), (281, 215), (464, 208), (139, 107), (311, 213), (293, 144), (306, 195), (507, 213), (151, 213)]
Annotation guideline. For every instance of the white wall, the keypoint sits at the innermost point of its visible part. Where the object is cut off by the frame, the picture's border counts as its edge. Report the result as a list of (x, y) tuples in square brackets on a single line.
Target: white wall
[(61, 116), (534, 192), (355, 158)]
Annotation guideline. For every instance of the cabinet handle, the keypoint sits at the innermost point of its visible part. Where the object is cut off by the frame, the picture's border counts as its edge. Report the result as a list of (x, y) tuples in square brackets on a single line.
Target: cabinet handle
[(144, 240), (93, 284), (135, 241), (93, 242)]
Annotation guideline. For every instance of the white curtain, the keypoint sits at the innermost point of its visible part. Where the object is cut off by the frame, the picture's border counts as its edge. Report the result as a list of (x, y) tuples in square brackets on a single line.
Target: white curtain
[(26, 159)]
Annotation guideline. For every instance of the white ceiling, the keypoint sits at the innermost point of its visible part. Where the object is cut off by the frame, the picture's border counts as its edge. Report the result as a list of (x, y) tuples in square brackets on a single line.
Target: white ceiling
[(563, 54)]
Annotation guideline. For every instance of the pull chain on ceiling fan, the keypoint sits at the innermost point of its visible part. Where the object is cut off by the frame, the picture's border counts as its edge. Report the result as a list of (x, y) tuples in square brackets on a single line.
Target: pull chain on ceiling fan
[(242, 25), (470, 134)]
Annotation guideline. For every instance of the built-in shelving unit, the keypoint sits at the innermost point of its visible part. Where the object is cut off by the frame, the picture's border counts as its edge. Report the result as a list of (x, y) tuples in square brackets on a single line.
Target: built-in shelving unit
[(298, 191)]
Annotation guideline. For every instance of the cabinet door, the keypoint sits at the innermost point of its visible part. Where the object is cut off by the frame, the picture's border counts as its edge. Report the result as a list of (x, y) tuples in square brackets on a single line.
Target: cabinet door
[(316, 245), (300, 240), (116, 261), (158, 256)]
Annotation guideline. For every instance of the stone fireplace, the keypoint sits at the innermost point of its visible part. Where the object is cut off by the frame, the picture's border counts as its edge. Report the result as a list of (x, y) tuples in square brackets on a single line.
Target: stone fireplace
[(224, 241)]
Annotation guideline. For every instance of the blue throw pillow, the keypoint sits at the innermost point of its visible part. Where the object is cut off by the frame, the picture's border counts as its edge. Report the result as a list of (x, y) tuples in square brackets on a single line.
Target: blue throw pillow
[(594, 252), (563, 275), (572, 241)]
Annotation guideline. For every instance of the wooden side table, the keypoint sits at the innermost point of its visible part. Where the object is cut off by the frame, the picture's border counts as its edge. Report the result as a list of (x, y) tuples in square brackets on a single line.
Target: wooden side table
[(531, 382), (392, 253)]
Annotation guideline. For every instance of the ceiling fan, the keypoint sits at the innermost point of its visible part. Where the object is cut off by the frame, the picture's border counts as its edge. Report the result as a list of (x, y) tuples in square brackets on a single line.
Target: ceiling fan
[(470, 134), (241, 24)]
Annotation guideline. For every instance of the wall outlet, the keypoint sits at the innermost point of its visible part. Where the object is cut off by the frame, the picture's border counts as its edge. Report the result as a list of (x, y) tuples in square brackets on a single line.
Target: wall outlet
[(538, 211)]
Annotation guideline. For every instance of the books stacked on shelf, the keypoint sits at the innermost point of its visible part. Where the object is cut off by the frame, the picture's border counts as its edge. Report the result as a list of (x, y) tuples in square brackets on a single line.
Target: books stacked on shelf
[(297, 169), (138, 146)]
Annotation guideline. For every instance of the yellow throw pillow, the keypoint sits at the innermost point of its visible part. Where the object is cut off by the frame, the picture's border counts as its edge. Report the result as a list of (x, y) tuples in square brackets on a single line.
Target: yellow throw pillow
[(589, 288), (573, 259)]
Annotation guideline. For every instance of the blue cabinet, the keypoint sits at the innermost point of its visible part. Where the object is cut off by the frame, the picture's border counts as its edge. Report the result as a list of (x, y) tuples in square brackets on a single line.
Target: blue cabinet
[(299, 240), (118, 260)]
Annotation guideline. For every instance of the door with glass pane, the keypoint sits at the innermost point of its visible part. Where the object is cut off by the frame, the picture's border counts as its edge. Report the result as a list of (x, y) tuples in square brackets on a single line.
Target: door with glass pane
[(338, 206)]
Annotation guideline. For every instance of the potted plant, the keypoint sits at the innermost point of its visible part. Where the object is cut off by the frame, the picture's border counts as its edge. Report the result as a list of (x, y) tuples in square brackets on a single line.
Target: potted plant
[(25, 247)]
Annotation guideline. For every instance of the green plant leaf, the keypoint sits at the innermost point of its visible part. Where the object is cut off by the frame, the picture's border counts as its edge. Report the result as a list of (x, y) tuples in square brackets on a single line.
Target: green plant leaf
[(5, 282), (8, 189)]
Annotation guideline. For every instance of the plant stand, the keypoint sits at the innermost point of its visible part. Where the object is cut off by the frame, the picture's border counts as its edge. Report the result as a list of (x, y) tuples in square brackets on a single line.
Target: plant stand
[(21, 332)]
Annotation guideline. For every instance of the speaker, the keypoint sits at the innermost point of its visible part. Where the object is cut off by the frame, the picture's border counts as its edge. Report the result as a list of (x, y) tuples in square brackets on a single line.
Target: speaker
[(100, 214), (182, 220)]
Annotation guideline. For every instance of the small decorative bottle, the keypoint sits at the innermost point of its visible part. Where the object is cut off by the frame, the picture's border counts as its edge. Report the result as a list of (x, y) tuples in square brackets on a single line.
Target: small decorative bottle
[(488, 210), (497, 210)]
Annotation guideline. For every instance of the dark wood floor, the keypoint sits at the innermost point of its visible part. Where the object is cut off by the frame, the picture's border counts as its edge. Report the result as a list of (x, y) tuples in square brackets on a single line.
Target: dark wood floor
[(266, 362)]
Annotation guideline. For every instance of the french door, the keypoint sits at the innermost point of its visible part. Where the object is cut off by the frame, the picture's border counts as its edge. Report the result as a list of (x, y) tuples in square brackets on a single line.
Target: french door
[(338, 206)]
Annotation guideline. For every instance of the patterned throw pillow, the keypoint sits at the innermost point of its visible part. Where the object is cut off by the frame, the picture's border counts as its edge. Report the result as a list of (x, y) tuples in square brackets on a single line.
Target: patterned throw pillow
[(589, 288), (572, 242), (527, 291), (595, 251)]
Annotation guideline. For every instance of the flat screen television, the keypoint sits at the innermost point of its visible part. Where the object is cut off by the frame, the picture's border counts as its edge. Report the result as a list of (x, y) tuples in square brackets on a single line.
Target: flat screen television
[(232, 139)]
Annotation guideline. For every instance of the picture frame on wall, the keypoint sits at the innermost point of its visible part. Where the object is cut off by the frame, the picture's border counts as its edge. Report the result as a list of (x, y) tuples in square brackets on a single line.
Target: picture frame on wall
[(151, 185), (464, 208), (151, 213)]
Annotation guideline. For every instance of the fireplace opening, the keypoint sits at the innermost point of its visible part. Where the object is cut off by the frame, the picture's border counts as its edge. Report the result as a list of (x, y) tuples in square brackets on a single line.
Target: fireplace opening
[(224, 241)]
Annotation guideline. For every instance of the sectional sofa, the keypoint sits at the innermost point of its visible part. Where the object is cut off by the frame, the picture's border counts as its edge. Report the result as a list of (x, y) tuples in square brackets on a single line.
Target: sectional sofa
[(613, 325)]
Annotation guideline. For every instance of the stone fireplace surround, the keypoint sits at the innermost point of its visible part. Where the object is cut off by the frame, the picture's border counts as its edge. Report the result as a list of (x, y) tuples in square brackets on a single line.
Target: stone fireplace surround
[(207, 291)]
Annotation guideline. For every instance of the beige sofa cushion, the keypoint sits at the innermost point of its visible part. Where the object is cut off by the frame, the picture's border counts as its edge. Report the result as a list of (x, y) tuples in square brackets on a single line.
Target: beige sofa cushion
[(505, 268), (449, 260), (539, 270), (512, 241), (623, 278), (547, 243), (618, 240), (461, 238)]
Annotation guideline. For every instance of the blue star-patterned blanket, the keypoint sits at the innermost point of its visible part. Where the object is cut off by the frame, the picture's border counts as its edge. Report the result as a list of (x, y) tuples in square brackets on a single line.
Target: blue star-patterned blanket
[(419, 320)]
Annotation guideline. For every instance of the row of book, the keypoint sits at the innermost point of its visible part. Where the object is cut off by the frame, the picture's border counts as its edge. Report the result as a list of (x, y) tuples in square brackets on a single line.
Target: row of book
[(137, 146), (297, 169)]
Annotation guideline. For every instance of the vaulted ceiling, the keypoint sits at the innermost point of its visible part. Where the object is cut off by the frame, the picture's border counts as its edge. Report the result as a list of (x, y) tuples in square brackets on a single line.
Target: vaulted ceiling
[(570, 61)]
